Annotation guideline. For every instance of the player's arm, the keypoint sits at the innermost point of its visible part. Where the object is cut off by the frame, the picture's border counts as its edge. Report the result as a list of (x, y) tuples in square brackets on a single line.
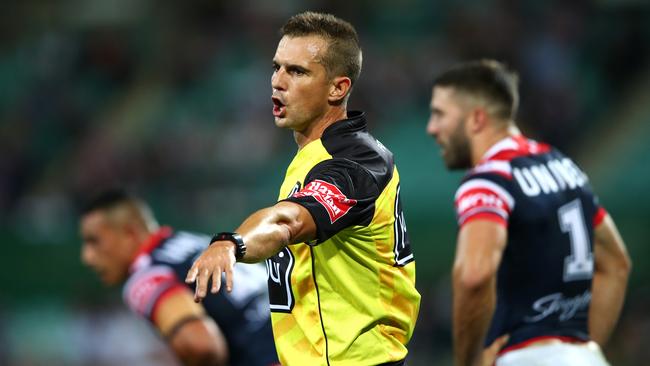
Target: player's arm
[(194, 337), (155, 293), (612, 267), (478, 254), (265, 233)]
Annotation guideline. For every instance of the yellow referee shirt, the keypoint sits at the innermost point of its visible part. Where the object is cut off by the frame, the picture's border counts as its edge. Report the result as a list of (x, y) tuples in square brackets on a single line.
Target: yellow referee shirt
[(349, 297)]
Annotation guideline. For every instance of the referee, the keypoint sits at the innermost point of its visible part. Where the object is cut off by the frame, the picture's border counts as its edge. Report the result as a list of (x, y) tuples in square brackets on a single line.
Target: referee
[(341, 271)]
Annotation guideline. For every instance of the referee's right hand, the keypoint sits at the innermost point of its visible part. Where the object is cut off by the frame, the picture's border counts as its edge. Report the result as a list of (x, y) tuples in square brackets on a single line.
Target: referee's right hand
[(218, 258)]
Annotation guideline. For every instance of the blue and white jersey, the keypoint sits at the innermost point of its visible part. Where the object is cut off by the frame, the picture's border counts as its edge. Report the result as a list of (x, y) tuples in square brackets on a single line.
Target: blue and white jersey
[(550, 211), (243, 316)]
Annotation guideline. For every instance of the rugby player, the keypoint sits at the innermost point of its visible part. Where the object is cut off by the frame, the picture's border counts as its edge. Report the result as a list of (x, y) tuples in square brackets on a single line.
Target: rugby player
[(540, 267), (341, 271), (122, 241)]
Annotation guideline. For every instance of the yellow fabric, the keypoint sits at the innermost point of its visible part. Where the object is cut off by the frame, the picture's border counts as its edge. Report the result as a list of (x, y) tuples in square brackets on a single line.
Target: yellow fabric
[(368, 304)]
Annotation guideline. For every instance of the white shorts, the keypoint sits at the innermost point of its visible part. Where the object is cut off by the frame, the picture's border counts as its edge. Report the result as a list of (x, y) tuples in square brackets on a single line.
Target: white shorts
[(555, 354)]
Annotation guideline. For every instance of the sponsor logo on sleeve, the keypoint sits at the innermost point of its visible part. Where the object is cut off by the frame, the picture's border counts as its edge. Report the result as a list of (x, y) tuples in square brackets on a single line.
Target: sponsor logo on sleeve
[(143, 289), (481, 196), (329, 196)]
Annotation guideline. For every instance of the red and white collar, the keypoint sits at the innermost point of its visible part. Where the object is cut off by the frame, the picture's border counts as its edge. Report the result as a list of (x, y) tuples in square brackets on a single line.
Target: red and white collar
[(142, 257), (497, 158), (513, 146)]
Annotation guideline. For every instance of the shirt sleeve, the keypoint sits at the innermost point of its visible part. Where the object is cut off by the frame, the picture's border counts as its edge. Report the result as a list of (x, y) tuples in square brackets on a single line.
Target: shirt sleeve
[(600, 212), (147, 288), (482, 198), (338, 193)]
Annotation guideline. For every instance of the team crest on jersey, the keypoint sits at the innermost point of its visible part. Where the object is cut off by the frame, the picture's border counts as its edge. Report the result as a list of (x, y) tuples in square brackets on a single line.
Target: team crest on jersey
[(329, 196)]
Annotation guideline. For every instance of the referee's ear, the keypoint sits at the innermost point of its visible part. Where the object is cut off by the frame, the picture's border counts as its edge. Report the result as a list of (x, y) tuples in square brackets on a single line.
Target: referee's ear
[(339, 89)]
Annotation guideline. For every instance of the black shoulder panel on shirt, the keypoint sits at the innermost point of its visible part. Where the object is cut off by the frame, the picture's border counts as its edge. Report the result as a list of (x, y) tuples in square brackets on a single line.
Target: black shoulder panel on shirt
[(349, 139)]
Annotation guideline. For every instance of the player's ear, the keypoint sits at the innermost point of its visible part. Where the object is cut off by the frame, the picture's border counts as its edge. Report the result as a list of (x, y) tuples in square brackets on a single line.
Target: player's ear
[(478, 120), (131, 232), (339, 89)]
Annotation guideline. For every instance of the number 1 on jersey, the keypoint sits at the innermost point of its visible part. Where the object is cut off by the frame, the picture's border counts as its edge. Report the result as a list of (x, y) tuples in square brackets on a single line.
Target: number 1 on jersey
[(580, 264)]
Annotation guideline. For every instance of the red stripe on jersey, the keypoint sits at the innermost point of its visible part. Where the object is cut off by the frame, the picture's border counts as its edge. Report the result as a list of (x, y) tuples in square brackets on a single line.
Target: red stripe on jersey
[(486, 215), (500, 167), (528, 342), (516, 146), (153, 241), (161, 298), (483, 198), (144, 287), (599, 216)]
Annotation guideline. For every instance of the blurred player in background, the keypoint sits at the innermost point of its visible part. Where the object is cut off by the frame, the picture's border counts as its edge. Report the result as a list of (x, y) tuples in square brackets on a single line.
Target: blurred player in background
[(540, 267), (122, 241), (341, 272)]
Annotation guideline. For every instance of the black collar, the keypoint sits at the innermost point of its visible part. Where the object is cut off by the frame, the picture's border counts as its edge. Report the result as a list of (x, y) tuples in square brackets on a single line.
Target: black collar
[(355, 122)]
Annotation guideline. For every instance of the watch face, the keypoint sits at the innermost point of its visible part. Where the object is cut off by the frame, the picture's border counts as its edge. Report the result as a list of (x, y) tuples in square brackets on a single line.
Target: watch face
[(240, 247)]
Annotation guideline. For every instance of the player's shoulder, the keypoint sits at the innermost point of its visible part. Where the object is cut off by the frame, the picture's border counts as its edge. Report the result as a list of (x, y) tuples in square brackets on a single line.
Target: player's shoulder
[(486, 182), (146, 284), (180, 247), (498, 160), (515, 146)]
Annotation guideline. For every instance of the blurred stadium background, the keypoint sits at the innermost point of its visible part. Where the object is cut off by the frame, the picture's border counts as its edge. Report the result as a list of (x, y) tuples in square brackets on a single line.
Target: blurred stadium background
[(172, 99)]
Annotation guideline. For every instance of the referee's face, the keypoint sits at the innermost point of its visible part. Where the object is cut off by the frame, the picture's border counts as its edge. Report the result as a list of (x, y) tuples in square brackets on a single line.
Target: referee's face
[(447, 126), (300, 82)]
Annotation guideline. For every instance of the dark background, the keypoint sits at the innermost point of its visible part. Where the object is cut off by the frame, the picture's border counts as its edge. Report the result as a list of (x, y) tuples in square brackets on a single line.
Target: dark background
[(172, 100)]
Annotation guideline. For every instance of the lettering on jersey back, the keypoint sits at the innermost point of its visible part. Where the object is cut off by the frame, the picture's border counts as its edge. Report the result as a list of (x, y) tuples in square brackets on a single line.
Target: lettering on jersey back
[(556, 303), (551, 177)]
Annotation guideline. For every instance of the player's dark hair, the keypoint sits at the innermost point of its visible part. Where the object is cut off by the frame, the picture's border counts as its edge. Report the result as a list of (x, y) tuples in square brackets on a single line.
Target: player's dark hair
[(488, 79), (343, 55), (108, 199)]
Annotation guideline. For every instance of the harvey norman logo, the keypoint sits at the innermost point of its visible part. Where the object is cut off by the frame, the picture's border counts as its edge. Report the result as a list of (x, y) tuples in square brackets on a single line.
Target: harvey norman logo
[(329, 196)]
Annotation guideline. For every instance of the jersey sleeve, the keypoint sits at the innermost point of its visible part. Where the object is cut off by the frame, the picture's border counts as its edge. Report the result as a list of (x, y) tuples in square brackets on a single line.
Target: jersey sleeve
[(338, 193), (481, 197), (148, 287), (599, 214)]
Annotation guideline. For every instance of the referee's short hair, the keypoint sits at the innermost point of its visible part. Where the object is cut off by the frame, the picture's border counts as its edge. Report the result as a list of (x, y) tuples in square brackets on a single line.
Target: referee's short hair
[(489, 80), (343, 56)]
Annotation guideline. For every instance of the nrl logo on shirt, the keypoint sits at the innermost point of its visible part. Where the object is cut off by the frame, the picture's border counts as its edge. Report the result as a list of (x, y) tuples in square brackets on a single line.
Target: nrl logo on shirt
[(329, 196)]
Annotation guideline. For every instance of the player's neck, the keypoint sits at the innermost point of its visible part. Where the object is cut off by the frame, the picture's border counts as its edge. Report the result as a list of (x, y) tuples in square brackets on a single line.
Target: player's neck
[(489, 138), (315, 130)]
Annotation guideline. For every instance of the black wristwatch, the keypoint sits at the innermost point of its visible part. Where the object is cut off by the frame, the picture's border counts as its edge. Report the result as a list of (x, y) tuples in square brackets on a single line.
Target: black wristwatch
[(240, 247)]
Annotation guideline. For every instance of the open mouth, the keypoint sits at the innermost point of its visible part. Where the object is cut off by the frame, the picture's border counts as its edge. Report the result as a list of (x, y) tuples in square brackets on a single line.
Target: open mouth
[(279, 108)]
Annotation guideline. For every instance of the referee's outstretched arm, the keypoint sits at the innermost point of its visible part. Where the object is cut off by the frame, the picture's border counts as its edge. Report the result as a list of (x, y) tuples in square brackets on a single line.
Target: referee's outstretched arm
[(265, 233)]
